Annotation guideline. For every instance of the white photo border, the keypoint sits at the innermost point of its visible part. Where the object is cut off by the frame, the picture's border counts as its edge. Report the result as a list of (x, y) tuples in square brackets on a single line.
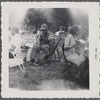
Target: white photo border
[(93, 92)]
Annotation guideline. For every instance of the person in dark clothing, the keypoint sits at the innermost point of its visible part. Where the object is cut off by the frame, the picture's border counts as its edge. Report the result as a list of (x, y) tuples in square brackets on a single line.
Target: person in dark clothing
[(45, 43)]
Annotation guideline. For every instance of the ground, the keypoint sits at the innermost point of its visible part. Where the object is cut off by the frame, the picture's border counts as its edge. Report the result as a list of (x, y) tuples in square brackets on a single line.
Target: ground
[(52, 76)]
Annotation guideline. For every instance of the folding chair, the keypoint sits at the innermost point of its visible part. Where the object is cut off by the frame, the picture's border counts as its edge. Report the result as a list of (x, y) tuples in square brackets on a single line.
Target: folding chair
[(59, 44), (55, 48), (16, 61), (69, 65), (53, 53)]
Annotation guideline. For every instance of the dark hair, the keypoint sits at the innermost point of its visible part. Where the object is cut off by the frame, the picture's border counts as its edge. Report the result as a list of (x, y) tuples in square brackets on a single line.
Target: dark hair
[(61, 27), (74, 30)]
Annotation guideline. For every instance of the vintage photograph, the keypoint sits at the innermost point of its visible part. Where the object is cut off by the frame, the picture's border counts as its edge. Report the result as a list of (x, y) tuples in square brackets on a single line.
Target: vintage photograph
[(48, 49)]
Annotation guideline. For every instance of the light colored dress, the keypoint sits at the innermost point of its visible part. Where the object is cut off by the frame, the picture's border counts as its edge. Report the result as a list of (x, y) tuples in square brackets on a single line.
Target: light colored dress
[(16, 40), (71, 55)]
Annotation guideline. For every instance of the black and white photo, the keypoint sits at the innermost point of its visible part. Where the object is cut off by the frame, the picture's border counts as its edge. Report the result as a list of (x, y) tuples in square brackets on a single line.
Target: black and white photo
[(50, 48)]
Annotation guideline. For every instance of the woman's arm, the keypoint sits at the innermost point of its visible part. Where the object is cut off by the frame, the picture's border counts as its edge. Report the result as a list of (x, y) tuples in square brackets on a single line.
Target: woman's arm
[(69, 47), (68, 43)]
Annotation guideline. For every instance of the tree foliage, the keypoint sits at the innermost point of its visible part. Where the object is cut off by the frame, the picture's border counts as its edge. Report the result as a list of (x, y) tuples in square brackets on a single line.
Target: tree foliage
[(54, 17)]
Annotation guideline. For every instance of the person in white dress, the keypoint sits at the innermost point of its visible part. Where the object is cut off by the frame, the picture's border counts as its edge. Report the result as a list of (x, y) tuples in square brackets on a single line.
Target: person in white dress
[(14, 47), (70, 45)]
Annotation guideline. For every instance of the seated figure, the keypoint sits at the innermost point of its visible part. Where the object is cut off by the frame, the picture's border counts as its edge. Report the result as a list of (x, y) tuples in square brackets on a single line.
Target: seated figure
[(45, 43), (70, 45), (15, 57), (61, 31)]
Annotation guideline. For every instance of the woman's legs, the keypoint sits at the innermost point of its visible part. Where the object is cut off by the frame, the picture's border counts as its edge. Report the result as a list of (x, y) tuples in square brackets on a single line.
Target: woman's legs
[(75, 58)]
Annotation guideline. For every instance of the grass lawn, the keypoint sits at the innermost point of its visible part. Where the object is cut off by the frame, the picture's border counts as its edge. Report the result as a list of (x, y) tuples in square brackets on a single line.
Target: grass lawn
[(49, 77)]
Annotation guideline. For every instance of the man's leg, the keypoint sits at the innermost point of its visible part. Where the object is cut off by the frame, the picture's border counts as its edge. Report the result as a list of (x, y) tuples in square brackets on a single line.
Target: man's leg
[(46, 51), (35, 51), (75, 58)]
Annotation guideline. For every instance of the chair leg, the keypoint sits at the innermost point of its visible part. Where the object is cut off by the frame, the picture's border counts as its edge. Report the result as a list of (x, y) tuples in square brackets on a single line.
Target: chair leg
[(22, 68), (74, 65), (58, 54), (69, 71), (68, 65), (54, 55)]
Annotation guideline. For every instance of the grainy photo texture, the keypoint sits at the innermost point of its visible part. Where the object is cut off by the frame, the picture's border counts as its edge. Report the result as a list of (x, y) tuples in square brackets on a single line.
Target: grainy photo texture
[(49, 49)]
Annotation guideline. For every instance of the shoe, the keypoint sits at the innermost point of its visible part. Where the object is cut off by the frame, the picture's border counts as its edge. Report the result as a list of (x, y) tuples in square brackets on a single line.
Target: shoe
[(36, 64), (32, 60), (28, 63)]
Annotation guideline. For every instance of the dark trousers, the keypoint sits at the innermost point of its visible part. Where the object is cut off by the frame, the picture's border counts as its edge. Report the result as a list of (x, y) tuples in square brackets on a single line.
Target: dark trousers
[(36, 49)]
